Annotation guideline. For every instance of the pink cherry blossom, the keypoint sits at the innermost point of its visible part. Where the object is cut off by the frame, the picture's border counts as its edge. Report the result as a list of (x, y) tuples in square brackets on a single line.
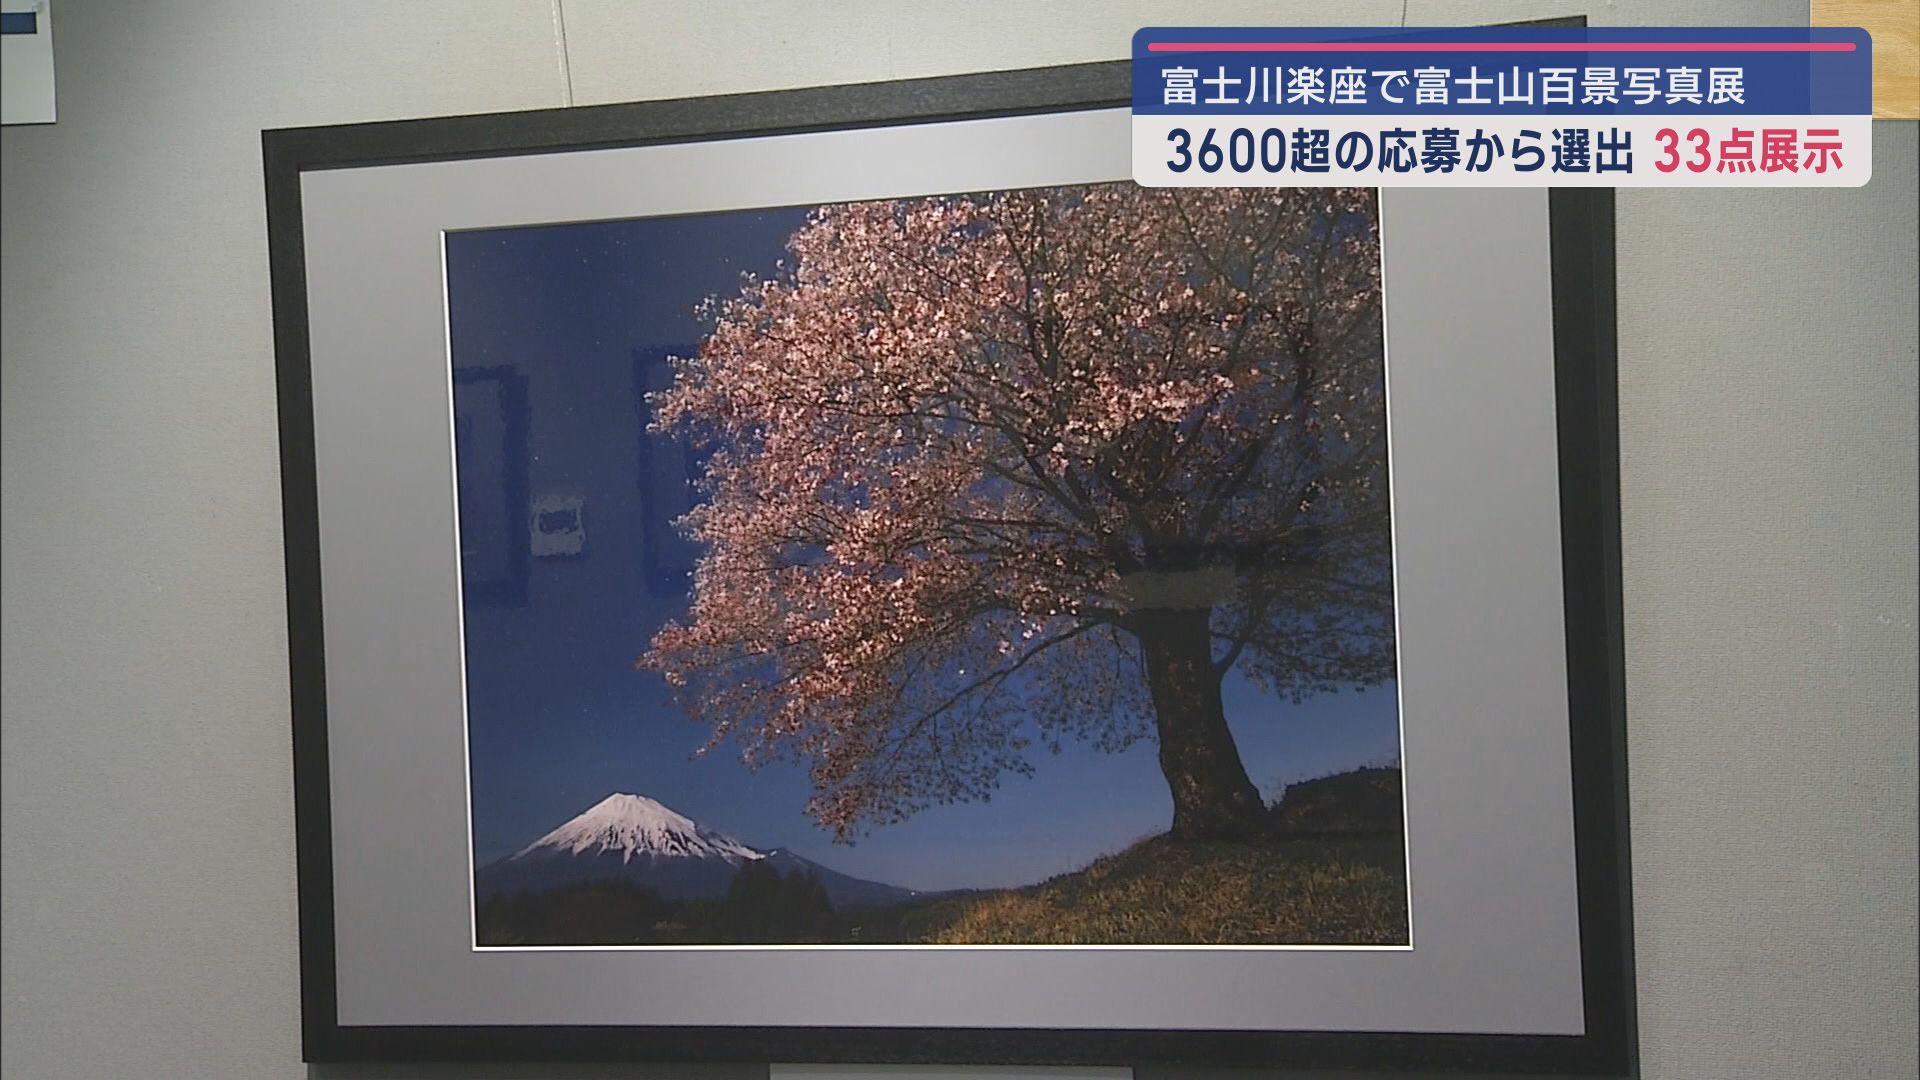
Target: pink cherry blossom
[(994, 471)]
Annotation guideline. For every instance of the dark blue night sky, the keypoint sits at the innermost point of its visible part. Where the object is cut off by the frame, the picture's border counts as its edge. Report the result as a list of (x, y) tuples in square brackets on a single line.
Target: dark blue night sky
[(578, 318)]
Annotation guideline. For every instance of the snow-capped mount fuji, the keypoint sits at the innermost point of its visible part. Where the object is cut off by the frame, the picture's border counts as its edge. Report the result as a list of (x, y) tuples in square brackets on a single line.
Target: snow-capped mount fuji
[(635, 826), (633, 838)]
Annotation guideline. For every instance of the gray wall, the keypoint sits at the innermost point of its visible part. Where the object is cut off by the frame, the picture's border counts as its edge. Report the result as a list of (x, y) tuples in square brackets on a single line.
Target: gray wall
[(1768, 410)]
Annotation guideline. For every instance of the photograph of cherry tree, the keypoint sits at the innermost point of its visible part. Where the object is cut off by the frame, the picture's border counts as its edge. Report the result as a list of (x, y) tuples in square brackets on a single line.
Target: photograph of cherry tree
[(1009, 568)]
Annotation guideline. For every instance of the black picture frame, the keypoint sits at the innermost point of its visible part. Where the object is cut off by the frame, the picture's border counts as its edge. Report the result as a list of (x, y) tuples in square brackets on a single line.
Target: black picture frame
[(1582, 257)]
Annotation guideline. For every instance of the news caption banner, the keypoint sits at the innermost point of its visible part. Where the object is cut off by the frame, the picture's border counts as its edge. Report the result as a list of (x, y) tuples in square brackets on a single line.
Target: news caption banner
[(1503, 107)]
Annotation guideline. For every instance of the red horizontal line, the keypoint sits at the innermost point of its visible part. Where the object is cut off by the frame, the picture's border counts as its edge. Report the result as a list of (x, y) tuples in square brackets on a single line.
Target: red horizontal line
[(1500, 46)]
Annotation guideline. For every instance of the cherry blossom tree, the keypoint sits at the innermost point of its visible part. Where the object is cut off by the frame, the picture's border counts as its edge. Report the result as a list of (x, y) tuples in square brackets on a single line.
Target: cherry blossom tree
[(991, 472)]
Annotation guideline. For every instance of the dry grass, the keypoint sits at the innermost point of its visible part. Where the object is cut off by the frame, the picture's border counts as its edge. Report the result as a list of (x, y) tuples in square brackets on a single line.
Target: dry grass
[(1304, 890)]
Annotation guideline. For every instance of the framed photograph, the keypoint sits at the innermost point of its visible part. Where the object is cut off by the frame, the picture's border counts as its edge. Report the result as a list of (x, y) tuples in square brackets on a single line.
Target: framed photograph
[(844, 575)]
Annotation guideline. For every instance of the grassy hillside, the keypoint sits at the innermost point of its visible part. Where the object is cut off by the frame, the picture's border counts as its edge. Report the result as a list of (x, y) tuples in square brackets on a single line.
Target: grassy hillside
[(1160, 892), (1333, 872)]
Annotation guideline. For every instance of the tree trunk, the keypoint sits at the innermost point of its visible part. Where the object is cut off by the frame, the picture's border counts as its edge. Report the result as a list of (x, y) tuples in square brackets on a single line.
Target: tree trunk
[(1212, 797)]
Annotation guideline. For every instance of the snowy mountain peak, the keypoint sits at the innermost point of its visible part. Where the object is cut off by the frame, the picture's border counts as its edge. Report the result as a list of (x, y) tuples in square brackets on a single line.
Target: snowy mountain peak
[(635, 826), (633, 838)]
